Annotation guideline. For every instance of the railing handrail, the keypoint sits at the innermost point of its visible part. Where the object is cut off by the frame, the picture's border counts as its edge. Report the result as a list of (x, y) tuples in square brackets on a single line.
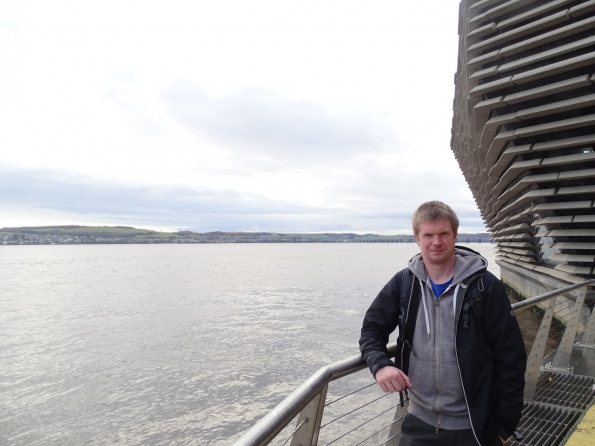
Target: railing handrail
[(531, 302), (281, 415), (273, 422)]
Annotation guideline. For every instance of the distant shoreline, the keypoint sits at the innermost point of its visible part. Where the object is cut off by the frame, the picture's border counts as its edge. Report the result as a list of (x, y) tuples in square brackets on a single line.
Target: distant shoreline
[(118, 235)]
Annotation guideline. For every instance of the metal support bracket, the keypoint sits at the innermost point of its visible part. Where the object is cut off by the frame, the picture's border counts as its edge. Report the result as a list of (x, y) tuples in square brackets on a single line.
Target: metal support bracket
[(308, 424), (589, 336), (537, 351), (395, 429), (562, 359)]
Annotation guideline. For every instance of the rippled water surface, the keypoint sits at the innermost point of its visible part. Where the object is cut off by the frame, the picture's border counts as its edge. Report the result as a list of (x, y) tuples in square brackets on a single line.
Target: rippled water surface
[(174, 344)]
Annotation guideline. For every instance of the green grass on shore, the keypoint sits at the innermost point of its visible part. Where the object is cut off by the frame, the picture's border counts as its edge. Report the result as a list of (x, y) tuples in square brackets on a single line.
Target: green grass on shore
[(90, 231)]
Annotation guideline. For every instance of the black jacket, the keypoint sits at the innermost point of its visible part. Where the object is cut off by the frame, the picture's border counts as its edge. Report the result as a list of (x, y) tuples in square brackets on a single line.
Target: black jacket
[(490, 353)]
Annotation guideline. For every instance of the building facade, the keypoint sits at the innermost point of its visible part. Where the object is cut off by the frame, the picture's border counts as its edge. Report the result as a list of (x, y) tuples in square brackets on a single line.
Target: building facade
[(524, 134)]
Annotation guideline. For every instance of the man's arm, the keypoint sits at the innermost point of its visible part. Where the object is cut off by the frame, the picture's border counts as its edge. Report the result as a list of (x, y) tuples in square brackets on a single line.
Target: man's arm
[(508, 351), (380, 321)]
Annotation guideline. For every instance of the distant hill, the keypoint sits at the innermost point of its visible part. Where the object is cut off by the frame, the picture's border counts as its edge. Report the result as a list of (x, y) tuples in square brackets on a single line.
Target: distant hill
[(88, 231), (73, 234)]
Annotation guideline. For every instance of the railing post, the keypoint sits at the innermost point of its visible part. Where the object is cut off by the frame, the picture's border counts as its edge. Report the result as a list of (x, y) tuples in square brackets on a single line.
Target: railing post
[(562, 359), (537, 351), (395, 429), (308, 424)]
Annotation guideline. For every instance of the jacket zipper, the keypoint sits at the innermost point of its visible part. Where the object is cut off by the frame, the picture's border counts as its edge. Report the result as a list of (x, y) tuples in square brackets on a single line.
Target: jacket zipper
[(437, 362), (406, 322), (464, 286)]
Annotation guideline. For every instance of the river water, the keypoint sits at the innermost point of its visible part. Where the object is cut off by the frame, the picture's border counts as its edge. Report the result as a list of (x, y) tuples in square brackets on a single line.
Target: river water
[(174, 344)]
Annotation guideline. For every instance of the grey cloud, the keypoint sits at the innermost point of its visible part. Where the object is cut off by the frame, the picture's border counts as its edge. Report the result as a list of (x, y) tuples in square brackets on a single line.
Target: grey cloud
[(387, 199), (382, 205), (271, 131), (171, 206)]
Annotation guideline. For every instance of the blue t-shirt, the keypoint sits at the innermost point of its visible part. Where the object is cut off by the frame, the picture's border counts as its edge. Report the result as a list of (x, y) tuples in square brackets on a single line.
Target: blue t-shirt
[(439, 288)]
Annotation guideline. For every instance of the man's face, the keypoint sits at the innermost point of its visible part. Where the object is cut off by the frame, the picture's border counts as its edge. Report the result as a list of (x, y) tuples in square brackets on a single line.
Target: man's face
[(436, 240)]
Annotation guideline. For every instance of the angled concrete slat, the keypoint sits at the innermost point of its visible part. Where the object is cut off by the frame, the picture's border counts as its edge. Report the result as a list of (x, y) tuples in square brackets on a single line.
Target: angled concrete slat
[(555, 126), (584, 219), (574, 269), (548, 89), (573, 258), (548, 37), (531, 13), (577, 190), (577, 174), (555, 68), (489, 104), (541, 39), (552, 220), (564, 205), (484, 73), (491, 86), (563, 143), (521, 31), (479, 32), (570, 245), (544, 55), (568, 159), (571, 232), (556, 107), (539, 111), (482, 4), (582, 9)]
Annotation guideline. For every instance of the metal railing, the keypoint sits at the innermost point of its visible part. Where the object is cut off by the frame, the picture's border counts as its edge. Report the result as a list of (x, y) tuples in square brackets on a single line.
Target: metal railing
[(307, 403)]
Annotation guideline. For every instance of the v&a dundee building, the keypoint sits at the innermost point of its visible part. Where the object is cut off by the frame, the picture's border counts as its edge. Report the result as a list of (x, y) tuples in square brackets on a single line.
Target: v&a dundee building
[(524, 134)]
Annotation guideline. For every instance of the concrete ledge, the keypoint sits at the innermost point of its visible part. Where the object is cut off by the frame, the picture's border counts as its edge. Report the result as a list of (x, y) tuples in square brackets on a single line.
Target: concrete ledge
[(584, 433), (529, 283)]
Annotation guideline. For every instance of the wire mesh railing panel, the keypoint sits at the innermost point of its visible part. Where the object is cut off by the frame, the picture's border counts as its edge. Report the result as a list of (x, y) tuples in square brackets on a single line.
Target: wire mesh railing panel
[(529, 321), (565, 312), (357, 413), (284, 437)]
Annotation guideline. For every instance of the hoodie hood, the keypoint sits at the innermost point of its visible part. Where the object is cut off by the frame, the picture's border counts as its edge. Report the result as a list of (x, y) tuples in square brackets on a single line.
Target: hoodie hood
[(468, 263)]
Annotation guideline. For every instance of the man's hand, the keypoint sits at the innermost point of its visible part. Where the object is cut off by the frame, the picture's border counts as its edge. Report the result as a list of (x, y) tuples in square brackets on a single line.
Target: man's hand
[(391, 379), (502, 440)]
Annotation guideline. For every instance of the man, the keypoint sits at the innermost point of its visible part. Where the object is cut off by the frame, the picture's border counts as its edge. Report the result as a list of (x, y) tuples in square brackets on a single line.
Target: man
[(461, 358)]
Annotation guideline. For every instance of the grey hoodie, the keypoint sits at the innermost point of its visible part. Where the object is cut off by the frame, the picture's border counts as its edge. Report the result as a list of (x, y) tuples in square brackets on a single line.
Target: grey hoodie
[(437, 394)]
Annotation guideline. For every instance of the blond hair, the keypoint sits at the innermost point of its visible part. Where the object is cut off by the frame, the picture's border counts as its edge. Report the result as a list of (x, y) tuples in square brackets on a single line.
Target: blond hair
[(431, 211)]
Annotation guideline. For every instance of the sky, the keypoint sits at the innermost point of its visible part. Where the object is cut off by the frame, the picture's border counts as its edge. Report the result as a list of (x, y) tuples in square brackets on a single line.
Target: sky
[(281, 116)]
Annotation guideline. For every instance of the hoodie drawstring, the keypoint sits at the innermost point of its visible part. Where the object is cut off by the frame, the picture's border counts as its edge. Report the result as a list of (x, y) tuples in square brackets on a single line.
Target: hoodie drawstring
[(423, 299)]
